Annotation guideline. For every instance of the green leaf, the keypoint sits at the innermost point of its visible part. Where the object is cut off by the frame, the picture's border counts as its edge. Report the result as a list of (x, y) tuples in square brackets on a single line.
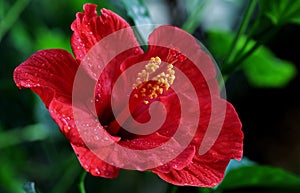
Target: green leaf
[(234, 164), (262, 68), (281, 11), (259, 176)]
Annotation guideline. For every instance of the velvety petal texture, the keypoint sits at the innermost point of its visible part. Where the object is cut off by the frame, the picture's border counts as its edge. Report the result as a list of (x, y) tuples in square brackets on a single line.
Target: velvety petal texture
[(208, 170), (51, 74), (89, 28)]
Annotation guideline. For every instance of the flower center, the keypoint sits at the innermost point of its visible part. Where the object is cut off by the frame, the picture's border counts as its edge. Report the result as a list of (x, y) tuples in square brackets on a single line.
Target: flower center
[(153, 80)]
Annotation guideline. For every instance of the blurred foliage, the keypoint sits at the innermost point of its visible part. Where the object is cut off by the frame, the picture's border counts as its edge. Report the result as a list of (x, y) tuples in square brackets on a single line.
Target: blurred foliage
[(31, 147), (262, 68), (281, 12), (194, 19), (260, 176), (139, 13)]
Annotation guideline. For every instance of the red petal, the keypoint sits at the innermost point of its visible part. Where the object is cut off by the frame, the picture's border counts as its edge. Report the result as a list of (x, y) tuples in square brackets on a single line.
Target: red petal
[(91, 163), (49, 73), (229, 144), (63, 114), (144, 143), (208, 170), (180, 162), (164, 38), (198, 173), (89, 29)]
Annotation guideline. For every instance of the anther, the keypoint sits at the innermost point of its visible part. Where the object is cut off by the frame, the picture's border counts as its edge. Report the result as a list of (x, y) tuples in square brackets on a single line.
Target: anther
[(160, 82)]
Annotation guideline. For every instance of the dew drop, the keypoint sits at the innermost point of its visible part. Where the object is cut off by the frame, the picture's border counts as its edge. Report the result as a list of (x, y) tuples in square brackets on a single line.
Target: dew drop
[(106, 139), (86, 166), (136, 51), (97, 171), (104, 15)]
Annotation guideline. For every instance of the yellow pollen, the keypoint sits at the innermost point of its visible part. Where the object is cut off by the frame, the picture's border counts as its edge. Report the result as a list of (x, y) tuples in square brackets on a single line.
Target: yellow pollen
[(162, 80)]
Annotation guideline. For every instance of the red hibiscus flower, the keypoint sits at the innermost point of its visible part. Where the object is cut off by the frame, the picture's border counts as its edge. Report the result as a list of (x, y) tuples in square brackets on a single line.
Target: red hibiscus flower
[(174, 71)]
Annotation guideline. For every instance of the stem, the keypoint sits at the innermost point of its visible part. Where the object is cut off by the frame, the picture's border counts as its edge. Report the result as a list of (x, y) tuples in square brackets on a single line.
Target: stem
[(241, 59), (12, 16), (248, 53), (266, 35), (261, 34), (193, 20), (81, 183), (242, 29)]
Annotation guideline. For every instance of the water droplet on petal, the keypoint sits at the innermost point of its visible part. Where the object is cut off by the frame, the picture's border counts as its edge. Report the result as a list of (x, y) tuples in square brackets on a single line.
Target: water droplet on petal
[(86, 166), (106, 139), (136, 51), (97, 171)]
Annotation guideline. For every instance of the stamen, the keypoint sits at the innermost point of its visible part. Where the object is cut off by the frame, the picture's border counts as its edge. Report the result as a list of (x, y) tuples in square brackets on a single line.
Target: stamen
[(150, 84)]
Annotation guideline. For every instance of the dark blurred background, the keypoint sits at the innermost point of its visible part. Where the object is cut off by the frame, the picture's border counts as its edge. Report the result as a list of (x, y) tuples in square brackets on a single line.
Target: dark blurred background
[(32, 148)]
